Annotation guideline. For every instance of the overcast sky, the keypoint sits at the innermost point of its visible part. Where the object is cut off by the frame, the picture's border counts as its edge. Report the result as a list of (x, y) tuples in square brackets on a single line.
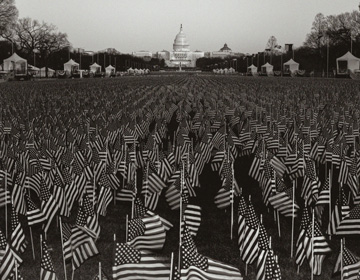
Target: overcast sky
[(132, 25)]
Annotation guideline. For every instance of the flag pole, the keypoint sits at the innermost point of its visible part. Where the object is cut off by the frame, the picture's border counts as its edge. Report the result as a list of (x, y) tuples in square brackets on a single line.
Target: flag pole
[(293, 219), (181, 190), (30, 228), (62, 245), (100, 271), (342, 241), (171, 265), (41, 251), (6, 214), (16, 270), (232, 200), (312, 244), (330, 183), (126, 228)]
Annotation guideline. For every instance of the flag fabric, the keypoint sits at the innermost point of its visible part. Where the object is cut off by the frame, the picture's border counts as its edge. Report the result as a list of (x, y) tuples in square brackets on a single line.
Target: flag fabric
[(316, 244), (192, 218), (105, 198), (196, 266), (250, 245), (18, 241), (350, 223), (241, 221), (262, 254), (47, 271), (8, 258), (340, 210), (300, 250), (33, 213), (146, 233), (133, 264), (283, 202), (351, 264), (141, 211), (272, 270), (49, 207)]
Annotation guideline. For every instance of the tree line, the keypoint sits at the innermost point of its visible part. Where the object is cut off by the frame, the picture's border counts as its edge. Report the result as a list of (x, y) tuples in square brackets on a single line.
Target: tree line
[(330, 37)]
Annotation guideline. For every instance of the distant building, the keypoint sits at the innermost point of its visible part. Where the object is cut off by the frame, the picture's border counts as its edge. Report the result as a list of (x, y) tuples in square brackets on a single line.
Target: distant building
[(181, 56), (146, 55), (224, 52)]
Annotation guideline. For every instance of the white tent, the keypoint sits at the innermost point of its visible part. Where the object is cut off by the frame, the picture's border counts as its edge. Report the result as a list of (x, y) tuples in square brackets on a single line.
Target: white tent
[(291, 66), (71, 66), (252, 69), (347, 62), (51, 72), (16, 63), (130, 71), (267, 68), (232, 70), (95, 68), (110, 70), (147, 71)]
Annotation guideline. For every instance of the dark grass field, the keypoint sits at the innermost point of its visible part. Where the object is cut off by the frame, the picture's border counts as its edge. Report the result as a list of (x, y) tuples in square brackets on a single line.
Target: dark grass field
[(213, 239)]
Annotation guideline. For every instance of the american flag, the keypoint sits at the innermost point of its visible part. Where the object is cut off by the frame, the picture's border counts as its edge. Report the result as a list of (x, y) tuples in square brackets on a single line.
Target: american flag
[(9, 258), (350, 223), (196, 266), (133, 264), (250, 248), (49, 206), (317, 245), (262, 254), (141, 211), (105, 198), (272, 270), (300, 250), (283, 202), (18, 241), (33, 213), (47, 271), (146, 233), (340, 210), (241, 221), (351, 264), (192, 217)]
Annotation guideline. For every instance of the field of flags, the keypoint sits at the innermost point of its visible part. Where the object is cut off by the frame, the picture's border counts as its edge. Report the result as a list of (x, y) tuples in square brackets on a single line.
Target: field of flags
[(180, 177)]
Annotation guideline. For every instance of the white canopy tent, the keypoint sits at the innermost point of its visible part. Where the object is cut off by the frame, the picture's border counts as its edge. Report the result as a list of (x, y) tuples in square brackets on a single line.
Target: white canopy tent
[(95, 68), (71, 66), (110, 70), (51, 72), (267, 68), (130, 71), (16, 63), (291, 66), (252, 69), (347, 62)]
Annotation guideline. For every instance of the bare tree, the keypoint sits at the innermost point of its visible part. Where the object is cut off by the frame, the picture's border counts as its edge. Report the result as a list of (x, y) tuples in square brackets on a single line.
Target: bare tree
[(8, 15), (30, 35)]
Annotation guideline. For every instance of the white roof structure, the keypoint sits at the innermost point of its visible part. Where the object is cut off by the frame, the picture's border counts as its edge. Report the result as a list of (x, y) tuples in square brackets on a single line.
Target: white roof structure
[(12, 61), (347, 62), (94, 68), (70, 65), (252, 68), (267, 68), (291, 65), (110, 67)]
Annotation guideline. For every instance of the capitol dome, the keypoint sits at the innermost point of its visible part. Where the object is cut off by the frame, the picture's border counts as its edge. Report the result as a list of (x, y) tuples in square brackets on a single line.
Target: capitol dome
[(180, 42)]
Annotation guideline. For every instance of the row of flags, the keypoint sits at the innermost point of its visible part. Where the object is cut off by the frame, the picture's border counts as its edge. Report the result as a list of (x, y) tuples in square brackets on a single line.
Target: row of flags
[(63, 158)]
